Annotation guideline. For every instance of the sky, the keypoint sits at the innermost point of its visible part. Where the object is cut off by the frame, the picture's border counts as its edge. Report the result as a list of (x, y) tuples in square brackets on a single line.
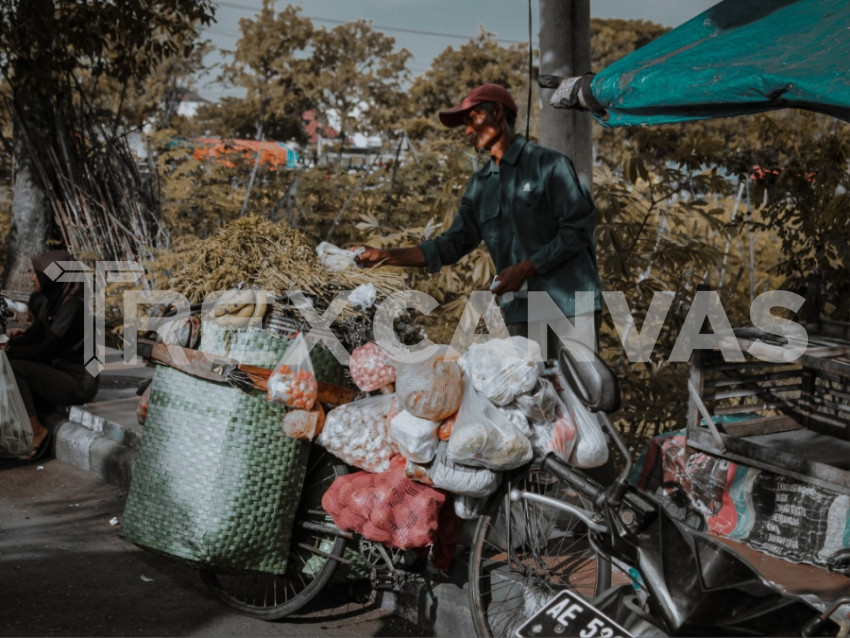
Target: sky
[(427, 27)]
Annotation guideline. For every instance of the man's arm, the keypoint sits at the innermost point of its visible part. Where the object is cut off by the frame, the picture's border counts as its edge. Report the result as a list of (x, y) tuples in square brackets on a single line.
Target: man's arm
[(408, 256)]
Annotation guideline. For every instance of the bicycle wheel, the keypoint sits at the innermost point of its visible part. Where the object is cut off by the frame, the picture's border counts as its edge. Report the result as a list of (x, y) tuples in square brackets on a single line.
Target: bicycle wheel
[(315, 547), (524, 552)]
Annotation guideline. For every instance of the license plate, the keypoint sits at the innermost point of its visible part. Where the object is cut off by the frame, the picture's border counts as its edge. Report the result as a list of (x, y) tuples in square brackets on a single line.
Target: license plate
[(568, 615)]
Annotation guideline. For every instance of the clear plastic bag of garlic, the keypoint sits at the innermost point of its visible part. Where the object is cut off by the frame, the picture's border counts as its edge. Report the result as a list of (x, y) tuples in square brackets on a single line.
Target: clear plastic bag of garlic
[(358, 433)]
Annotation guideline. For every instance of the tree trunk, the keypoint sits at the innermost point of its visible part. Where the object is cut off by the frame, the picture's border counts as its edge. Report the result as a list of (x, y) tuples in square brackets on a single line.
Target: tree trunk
[(565, 51), (31, 218)]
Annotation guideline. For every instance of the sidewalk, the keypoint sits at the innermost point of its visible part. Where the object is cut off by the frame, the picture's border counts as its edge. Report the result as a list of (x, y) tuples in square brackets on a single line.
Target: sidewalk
[(102, 438)]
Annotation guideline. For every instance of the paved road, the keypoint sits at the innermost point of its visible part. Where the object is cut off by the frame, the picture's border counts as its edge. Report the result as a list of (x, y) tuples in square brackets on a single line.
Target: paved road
[(65, 572)]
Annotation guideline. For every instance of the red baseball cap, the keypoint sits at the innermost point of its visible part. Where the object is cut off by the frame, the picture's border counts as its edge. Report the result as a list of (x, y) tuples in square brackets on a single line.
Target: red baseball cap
[(485, 93)]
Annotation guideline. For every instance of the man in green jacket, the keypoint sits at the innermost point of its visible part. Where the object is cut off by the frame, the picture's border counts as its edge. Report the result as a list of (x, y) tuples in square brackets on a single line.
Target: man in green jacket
[(537, 221)]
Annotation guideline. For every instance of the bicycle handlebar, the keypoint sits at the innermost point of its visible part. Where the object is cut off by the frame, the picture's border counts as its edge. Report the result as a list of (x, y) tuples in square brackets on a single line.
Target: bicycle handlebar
[(575, 479)]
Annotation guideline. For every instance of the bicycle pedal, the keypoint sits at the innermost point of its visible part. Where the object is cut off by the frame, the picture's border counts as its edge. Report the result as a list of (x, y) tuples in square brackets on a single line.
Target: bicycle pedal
[(384, 581)]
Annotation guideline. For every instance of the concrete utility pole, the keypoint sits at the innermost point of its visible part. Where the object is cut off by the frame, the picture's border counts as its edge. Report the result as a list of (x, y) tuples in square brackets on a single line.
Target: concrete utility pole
[(565, 51)]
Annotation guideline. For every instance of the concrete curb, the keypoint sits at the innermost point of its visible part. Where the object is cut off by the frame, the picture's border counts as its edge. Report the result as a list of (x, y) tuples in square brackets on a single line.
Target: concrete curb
[(101, 447)]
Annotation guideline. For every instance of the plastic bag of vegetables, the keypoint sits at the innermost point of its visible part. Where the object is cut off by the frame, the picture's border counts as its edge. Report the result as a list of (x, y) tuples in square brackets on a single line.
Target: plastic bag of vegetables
[(444, 474), (483, 436), (430, 389), (386, 507), (293, 380), (371, 367), (415, 437), (359, 432), (500, 369)]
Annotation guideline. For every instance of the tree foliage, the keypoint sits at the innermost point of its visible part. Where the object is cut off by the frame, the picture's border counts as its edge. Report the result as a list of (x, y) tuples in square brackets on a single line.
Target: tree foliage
[(56, 56), (799, 184), (358, 74), (270, 63)]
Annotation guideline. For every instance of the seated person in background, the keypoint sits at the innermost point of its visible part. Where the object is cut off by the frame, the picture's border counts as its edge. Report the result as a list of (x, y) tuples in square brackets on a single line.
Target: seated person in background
[(47, 357)]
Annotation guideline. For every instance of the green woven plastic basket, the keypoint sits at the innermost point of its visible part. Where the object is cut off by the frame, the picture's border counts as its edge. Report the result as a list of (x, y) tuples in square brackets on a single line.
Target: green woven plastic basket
[(216, 482), (263, 348)]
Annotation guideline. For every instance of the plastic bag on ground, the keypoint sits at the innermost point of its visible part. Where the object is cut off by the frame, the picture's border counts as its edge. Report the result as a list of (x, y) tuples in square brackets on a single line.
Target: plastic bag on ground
[(293, 380), (591, 448), (431, 389), (558, 436), (359, 433), (415, 437), (452, 477), (484, 437), (500, 369), (15, 429), (371, 368), (386, 507)]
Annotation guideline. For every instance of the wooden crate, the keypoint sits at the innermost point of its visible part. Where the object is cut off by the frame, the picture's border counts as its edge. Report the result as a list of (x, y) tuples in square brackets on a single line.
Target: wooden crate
[(791, 418)]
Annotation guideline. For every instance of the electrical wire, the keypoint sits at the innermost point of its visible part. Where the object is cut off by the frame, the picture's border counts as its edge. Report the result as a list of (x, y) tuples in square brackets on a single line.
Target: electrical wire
[(232, 5), (530, 74)]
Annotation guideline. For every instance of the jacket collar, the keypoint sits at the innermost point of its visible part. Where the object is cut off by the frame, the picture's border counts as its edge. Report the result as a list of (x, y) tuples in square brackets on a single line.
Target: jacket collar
[(511, 156)]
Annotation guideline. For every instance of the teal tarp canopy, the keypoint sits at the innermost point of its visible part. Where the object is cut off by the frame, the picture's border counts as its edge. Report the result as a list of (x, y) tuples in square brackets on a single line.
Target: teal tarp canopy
[(740, 56)]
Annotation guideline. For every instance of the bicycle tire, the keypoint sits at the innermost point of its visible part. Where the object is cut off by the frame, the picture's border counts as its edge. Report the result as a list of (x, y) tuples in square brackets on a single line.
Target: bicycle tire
[(312, 560), (550, 551)]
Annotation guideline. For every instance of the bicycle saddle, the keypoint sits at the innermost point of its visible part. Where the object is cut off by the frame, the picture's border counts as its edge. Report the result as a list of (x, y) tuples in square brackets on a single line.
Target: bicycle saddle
[(589, 377)]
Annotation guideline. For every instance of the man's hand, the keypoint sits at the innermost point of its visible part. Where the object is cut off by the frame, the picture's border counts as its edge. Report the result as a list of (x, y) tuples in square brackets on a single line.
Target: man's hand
[(370, 257), (15, 333), (512, 278)]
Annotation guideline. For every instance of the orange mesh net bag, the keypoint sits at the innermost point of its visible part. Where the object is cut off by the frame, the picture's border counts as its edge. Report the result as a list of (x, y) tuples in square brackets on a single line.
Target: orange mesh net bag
[(387, 508)]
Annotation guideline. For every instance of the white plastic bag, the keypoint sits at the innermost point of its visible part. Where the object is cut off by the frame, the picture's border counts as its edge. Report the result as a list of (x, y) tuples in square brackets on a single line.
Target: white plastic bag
[(443, 474), (415, 437), (483, 436), (539, 404), (363, 296), (468, 507), (517, 418), (334, 258), (15, 429), (591, 448), (558, 435), (359, 433), (500, 369)]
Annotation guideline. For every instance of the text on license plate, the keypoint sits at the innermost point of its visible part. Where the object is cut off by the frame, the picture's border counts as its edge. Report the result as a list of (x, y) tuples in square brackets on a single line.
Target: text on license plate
[(570, 616)]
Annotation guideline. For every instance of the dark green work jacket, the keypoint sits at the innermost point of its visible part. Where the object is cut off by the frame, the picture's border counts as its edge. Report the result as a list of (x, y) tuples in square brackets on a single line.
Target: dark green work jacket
[(531, 206)]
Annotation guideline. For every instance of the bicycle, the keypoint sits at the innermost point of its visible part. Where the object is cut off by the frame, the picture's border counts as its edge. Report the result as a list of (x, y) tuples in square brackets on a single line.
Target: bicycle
[(557, 553), (317, 546)]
